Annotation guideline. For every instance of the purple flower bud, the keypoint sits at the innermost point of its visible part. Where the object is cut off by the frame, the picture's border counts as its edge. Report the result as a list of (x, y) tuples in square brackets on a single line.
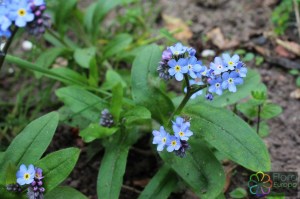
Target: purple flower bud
[(167, 55), (42, 189), (40, 183), (42, 7), (209, 96), (33, 183), (37, 13), (35, 188), (40, 21)]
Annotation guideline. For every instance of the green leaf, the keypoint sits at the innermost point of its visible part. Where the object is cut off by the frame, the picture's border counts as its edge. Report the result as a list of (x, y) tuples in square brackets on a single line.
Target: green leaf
[(47, 57), (112, 169), (294, 72), (249, 57), (161, 185), (199, 169), (230, 135), (31, 143), (63, 12), (263, 129), (70, 74), (238, 193), (144, 93), (240, 51), (84, 56), (270, 110), (259, 60), (112, 78), (136, 114), (249, 108), (82, 101), (95, 131), (11, 174), (298, 82), (64, 193), (57, 166), (9, 195), (117, 45), (116, 101)]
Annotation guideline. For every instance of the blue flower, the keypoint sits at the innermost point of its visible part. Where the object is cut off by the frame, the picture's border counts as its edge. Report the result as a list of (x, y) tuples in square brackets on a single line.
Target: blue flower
[(231, 80), (194, 66), (191, 51), (173, 143), (5, 34), (217, 66), (196, 81), (241, 70), (230, 62), (38, 2), (178, 68), (178, 49), (215, 86), (21, 13), (160, 138), (5, 22), (24, 175), (209, 96), (181, 129)]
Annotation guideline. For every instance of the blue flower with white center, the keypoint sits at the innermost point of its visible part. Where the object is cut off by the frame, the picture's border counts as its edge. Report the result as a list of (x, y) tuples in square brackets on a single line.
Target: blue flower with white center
[(194, 66), (241, 70), (173, 143), (230, 62), (21, 13), (215, 86), (178, 68), (217, 66), (160, 138), (24, 175), (178, 49), (181, 129), (231, 80)]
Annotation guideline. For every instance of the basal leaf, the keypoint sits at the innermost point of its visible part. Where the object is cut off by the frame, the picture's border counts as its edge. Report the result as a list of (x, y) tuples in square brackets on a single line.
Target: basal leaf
[(57, 166), (230, 135), (96, 131), (64, 193), (143, 91), (199, 169), (31, 143)]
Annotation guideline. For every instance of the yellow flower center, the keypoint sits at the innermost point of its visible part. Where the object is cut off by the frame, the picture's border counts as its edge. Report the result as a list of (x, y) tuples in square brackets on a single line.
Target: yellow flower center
[(230, 63), (177, 68), (181, 133), (173, 143), (164, 140), (176, 52), (21, 12), (26, 176)]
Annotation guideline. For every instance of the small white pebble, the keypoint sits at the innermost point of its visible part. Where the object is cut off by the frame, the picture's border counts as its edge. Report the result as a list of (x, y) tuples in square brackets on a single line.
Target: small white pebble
[(208, 53), (11, 70), (27, 45)]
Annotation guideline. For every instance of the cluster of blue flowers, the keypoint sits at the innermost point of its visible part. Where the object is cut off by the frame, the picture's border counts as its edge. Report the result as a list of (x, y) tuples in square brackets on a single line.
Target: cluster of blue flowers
[(22, 13), (225, 72), (176, 142), (31, 176)]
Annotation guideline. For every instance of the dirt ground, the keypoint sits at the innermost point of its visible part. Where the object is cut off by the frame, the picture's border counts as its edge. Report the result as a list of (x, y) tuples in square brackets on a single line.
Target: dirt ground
[(243, 23)]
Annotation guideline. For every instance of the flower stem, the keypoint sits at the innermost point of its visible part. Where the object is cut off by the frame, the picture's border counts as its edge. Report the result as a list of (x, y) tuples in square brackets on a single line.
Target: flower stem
[(6, 46)]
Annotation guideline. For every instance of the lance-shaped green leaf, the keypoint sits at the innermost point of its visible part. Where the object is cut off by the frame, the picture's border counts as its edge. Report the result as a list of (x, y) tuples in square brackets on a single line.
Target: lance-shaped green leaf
[(199, 169), (116, 101), (96, 131), (82, 101), (84, 56), (117, 45), (57, 166), (31, 143), (161, 185), (143, 91), (230, 135), (136, 115), (64, 193)]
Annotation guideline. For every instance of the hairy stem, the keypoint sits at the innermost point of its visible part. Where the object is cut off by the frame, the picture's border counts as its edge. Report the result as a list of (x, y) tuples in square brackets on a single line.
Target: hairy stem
[(258, 119)]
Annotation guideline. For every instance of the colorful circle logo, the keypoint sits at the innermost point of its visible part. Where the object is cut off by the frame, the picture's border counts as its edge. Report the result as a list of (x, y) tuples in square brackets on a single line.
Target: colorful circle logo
[(260, 184)]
